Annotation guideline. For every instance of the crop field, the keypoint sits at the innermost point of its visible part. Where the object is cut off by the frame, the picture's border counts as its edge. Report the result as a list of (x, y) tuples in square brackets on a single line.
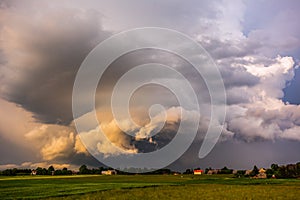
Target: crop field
[(147, 187)]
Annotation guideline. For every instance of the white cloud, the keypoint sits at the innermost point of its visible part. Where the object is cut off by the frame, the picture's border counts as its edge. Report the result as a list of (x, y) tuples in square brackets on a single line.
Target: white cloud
[(292, 133), (55, 141), (58, 147), (264, 115), (107, 141)]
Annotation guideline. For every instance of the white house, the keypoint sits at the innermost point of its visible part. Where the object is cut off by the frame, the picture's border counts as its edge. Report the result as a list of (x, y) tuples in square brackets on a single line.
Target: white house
[(109, 172)]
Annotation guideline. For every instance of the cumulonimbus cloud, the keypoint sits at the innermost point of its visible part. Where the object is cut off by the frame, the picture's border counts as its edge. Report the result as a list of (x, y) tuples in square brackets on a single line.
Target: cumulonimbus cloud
[(43, 46)]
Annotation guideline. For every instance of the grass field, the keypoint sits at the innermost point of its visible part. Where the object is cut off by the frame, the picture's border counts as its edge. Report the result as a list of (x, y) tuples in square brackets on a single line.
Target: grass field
[(147, 187)]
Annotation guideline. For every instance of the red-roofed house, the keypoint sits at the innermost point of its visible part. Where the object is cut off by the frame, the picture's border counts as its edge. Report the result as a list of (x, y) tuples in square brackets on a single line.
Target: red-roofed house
[(198, 171)]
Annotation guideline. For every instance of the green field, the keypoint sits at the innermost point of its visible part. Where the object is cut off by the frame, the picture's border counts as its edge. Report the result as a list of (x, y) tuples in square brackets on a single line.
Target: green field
[(147, 187)]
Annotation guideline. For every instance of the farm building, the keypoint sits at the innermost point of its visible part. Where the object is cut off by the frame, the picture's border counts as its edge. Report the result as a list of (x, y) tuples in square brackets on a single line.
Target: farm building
[(198, 171), (213, 171), (248, 172), (109, 172), (261, 174)]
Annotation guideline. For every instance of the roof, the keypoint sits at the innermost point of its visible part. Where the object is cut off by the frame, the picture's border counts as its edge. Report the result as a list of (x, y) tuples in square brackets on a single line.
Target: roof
[(262, 170), (198, 170)]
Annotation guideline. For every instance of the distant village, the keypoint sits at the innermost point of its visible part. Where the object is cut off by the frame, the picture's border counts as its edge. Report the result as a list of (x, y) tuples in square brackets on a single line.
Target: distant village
[(275, 171)]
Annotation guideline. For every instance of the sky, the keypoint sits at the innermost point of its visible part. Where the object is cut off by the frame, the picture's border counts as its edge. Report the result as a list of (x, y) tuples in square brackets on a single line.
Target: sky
[(255, 45)]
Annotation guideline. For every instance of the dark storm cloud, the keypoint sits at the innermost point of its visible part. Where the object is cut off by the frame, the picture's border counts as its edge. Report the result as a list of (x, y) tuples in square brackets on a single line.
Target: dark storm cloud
[(43, 54), (39, 72), (56, 42), (151, 94)]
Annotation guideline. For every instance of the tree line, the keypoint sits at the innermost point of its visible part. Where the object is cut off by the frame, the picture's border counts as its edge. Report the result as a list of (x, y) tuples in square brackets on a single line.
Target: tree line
[(282, 171), (275, 171), (37, 171)]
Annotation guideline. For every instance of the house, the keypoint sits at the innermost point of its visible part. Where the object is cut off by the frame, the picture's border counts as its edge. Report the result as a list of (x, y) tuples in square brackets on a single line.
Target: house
[(248, 172), (109, 172), (262, 170), (33, 172), (198, 171), (213, 171), (74, 172), (261, 173)]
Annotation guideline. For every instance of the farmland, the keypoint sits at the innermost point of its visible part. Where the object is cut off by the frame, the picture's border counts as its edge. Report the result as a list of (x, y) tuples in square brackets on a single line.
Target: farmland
[(147, 187)]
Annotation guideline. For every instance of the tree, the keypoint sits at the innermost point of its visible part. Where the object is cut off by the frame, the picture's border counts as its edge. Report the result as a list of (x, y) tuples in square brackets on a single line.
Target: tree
[(255, 171), (188, 171), (58, 172), (291, 171), (14, 171), (83, 169), (65, 171), (298, 169), (240, 173), (274, 167), (282, 172), (51, 170), (39, 171), (8, 172), (270, 173), (225, 170)]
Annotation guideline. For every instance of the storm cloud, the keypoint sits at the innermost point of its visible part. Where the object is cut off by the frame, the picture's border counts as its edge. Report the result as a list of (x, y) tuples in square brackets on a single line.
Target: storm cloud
[(43, 44), (43, 52)]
